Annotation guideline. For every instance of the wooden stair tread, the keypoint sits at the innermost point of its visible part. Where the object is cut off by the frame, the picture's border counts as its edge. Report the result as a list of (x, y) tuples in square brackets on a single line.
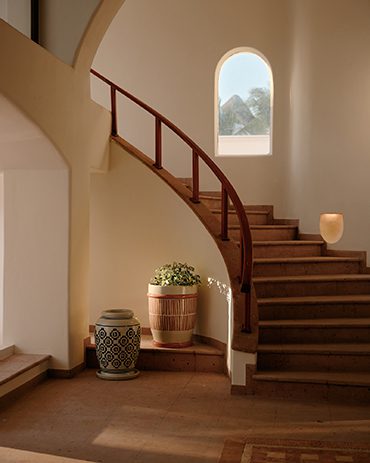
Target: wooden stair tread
[(323, 349), (313, 300), (16, 364), (304, 260), (288, 243), (313, 278), (265, 227), (318, 377), (248, 211), (317, 323)]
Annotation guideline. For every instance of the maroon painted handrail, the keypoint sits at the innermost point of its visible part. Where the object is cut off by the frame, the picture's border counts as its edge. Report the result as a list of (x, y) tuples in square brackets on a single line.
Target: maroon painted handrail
[(227, 190)]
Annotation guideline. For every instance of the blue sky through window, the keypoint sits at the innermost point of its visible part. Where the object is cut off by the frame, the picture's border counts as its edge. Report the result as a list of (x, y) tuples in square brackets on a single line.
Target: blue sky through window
[(241, 72)]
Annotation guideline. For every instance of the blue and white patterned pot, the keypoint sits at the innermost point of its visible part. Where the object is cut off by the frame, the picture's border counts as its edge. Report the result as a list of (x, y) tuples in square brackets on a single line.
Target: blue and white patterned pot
[(117, 339)]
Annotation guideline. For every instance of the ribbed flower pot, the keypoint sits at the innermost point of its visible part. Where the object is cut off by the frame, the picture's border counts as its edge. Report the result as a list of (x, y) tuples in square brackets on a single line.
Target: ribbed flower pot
[(172, 314), (117, 338)]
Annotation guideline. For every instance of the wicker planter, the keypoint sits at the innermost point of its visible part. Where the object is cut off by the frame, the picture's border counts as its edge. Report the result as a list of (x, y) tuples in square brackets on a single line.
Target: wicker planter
[(172, 314), (117, 338)]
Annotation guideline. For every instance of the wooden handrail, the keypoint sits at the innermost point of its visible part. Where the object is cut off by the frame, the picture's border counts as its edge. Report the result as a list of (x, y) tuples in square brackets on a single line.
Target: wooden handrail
[(227, 190)]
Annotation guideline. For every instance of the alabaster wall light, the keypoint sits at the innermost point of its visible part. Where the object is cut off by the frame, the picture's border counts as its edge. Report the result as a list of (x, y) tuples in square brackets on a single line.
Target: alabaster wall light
[(331, 226)]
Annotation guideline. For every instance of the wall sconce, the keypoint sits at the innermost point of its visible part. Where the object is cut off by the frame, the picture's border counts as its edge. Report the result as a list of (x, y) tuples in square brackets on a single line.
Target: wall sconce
[(331, 227)]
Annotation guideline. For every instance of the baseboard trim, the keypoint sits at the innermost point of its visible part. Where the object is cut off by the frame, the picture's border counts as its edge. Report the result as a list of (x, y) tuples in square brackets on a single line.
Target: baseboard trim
[(66, 374)]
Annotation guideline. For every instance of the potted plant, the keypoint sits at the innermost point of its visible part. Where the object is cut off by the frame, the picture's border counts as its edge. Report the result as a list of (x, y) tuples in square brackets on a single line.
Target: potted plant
[(172, 297)]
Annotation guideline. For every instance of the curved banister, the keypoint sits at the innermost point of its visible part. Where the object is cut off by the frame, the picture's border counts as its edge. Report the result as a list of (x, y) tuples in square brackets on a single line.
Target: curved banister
[(227, 190)]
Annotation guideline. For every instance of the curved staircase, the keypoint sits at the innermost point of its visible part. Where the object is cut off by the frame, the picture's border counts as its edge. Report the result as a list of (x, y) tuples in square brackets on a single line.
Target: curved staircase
[(304, 309), (314, 311)]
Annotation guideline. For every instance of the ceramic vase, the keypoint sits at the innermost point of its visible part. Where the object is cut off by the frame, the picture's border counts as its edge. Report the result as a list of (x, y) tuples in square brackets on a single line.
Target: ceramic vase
[(117, 339)]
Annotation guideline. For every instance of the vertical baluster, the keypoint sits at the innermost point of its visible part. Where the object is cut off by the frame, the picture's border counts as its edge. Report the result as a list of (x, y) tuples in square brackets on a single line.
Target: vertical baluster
[(114, 109), (224, 214), (195, 197), (158, 143), (242, 269), (245, 276)]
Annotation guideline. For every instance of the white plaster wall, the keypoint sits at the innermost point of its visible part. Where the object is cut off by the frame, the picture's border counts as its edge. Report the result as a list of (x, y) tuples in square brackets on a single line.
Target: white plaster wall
[(1, 256), (137, 224), (18, 14), (329, 164), (62, 25), (166, 53), (36, 262)]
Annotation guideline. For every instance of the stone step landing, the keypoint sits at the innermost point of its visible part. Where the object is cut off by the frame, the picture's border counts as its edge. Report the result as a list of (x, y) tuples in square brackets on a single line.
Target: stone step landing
[(198, 357)]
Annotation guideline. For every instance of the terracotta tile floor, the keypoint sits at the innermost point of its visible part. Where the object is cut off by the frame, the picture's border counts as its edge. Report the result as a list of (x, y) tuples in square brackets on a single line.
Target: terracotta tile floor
[(159, 417)]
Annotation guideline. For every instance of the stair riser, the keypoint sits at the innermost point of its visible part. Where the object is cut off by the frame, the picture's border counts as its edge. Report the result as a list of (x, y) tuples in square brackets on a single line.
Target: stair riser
[(267, 235), (211, 203), (282, 250), (313, 335), (323, 268), (300, 390), (300, 312), (313, 362), (253, 219), (311, 288)]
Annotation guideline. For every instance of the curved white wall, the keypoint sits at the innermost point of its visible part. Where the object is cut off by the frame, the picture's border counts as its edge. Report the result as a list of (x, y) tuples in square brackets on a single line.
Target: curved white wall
[(62, 25), (329, 164), (137, 224), (167, 52)]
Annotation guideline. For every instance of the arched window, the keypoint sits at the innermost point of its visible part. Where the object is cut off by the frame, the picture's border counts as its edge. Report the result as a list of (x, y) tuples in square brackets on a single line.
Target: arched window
[(244, 95)]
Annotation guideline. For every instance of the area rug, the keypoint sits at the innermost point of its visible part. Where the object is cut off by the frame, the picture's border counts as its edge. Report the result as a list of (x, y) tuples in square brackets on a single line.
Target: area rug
[(293, 451)]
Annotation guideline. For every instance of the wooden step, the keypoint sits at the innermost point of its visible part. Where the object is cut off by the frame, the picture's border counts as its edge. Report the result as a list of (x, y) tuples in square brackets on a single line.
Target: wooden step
[(6, 351), (19, 370), (335, 385), (314, 357), (331, 330), (255, 217), (311, 285), (333, 306), (320, 377), (198, 357), (267, 232), (293, 248), (317, 265)]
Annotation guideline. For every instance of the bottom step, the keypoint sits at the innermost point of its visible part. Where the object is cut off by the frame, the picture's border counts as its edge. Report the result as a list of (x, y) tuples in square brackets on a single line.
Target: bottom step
[(198, 357), (353, 386), (20, 370)]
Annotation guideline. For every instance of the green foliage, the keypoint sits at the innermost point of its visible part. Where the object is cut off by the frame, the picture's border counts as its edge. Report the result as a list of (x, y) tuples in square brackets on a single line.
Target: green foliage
[(258, 102), (175, 274)]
